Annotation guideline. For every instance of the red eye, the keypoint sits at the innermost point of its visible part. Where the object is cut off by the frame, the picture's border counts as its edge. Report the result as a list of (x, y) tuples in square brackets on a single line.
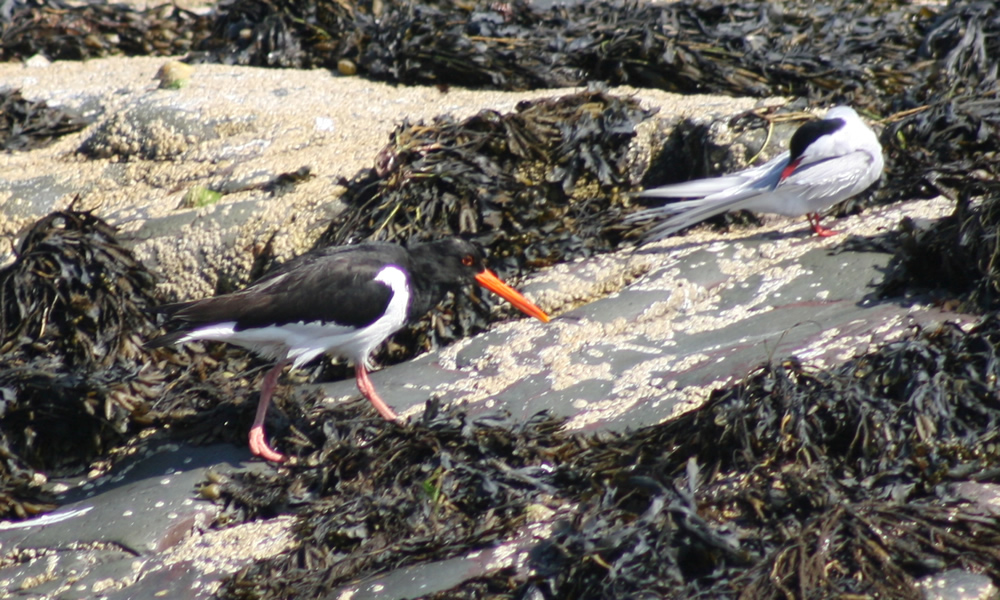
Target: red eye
[(467, 260)]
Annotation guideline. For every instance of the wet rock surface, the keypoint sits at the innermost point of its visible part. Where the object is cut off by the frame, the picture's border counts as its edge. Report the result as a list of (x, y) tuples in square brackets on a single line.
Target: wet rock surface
[(116, 532), (536, 459), (695, 314)]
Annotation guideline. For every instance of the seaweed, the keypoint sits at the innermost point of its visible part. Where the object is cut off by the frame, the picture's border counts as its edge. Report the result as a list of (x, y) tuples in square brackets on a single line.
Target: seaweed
[(75, 379), (62, 30), (382, 497), (541, 185), (27, 125), (74, 306), (793, 483), (75, 293), (752, 48)]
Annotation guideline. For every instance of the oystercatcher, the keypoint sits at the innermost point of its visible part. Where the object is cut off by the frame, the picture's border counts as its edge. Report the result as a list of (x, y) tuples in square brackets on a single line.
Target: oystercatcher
[(828, 161), (343, 300)]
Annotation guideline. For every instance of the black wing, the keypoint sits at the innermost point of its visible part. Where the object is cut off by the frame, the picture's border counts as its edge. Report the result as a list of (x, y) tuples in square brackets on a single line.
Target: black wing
[(332, 285)]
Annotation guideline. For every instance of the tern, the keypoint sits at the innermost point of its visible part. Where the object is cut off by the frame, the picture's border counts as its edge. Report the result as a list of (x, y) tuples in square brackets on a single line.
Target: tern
[(828, 161)]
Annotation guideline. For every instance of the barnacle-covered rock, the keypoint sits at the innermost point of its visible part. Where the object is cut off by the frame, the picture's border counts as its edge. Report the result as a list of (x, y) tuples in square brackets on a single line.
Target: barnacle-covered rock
[(542, 185)]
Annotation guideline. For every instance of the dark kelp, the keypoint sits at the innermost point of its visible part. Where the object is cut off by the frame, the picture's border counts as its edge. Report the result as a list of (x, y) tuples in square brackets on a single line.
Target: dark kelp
[(794, 483), (538, 186), (75, 379), (74, 293), (26, 125), (946, 143), (836, 52), (952, 259), (378, 496), (749, 48), (74, 310), (806, 484), (541, 185), (62, 30)]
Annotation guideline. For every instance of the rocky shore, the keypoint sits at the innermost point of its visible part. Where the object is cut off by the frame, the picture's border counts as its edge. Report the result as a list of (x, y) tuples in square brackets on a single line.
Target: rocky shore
[(640, 335)]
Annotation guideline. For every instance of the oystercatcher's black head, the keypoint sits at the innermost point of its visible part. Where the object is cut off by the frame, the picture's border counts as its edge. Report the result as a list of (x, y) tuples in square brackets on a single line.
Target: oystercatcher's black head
[(451, 260), (454, 261)]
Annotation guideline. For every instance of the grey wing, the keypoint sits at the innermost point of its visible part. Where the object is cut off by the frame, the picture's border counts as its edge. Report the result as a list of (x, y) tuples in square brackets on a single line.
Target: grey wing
[(810, 188), (699, 188), (751, 185), (817, 186), (696, 211)]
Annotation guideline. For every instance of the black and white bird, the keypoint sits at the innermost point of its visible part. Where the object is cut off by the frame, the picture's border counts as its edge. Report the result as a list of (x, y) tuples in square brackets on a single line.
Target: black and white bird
[(342, 300), (828, 161)]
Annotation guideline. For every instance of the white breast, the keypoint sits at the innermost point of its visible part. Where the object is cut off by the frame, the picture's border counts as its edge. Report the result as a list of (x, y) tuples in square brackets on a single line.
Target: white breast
[(302, 342)]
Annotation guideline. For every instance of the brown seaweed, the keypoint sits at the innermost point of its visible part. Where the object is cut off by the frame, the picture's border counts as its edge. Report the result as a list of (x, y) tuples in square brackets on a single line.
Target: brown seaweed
[(74, 307), (538, 186), (794, 483), (62, 30), (752, 48), (75, 379), (381, 497), (26, 125), (75, 293)]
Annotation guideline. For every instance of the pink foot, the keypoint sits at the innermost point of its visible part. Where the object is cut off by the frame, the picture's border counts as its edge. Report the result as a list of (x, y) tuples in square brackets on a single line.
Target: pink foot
[(259, 447), (819, 229)]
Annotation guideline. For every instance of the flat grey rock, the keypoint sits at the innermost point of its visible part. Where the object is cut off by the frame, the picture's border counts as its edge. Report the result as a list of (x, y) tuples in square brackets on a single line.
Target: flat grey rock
[(702, 315), (110, 533)]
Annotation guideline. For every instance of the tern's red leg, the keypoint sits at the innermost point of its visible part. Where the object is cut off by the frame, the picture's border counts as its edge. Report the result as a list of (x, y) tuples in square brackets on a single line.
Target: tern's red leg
[(819, 229), (258, 444), (368, 391)]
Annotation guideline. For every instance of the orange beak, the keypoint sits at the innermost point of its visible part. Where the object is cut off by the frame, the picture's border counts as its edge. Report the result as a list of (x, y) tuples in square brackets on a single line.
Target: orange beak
[(490, 281)]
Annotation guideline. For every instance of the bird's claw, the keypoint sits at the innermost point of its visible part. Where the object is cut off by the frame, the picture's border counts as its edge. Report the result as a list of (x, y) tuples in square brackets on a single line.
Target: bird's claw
[(259, 447), (819, 229)]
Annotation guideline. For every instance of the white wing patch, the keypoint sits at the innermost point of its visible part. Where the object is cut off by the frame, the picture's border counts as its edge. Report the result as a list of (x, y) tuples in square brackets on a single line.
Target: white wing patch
[(303, 342), (357, 344)]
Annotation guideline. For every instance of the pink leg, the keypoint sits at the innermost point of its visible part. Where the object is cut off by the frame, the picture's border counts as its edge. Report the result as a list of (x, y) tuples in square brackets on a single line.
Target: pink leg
[(819, 229), (368, 391), (258, 444)]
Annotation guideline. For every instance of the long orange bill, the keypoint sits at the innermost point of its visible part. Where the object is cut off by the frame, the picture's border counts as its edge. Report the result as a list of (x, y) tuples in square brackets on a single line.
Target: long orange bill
[(490, 281)]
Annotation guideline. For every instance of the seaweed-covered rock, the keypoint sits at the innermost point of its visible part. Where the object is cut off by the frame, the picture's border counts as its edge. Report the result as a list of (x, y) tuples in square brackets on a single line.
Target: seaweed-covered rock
[(542, 185), (403, 495), (944, 142), (75, 380), (858, 480), (954, 258), (76, 293), (776, 481), (25, 125), (66, 31), (74, 309), (826, 54)]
